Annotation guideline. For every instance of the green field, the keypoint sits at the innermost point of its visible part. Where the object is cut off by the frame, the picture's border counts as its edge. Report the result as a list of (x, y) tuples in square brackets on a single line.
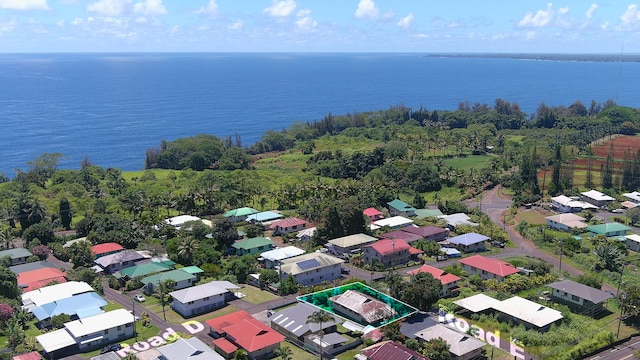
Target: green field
[(476, 162)]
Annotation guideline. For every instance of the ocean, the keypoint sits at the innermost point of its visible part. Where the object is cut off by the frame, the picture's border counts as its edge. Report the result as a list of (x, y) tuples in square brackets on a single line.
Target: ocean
[(112, 107)]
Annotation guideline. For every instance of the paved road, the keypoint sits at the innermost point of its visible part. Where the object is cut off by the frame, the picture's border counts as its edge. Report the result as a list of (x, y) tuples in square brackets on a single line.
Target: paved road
[(621, 352)]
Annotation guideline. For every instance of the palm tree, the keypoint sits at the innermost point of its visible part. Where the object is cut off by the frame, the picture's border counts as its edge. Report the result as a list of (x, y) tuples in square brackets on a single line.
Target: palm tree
[(6, 238), (241, 355), (319, 317), (284, 352), (187, 247)]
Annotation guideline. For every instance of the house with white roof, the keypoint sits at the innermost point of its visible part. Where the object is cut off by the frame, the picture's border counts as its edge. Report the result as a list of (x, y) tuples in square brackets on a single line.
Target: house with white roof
[(203, 298), (188, 349), (118, 261), (597, 198), (350, 243), (634, 197), (633, 242), (273, 257), (566, 222), (395, 222), (566, 204), (312, 268), (461, 346), (47, 294), (516, 309), (458, 219), (89, 333), (178, 221)]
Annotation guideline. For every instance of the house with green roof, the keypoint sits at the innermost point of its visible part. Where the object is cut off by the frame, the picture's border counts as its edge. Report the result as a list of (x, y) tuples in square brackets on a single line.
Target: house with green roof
[(143, 270), (252, 246), (193, 270), (609, 229), (425, 213), (18, 256), (400, 208), (182, 279)]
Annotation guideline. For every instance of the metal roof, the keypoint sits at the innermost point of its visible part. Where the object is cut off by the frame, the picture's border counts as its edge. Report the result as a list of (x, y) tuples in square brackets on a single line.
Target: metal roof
[(202, 291), (594, 295)]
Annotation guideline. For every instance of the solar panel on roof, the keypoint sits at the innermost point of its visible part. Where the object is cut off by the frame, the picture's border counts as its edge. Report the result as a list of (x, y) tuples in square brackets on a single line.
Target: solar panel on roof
[(308, 264)]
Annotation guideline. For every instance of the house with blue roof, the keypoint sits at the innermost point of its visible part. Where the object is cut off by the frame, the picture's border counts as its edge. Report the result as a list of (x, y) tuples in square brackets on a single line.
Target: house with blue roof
[(77, 307), (400, 208), (263, 217), (471, 242)]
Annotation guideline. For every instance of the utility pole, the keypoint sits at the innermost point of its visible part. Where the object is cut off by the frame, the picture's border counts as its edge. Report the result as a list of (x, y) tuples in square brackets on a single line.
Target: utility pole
[(622, 298), (164, 316), (133, 311)]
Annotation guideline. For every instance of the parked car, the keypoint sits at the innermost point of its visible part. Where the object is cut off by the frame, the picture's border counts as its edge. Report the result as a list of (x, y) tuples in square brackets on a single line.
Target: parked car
[(497, 244), (345, 271), (139, 298), (617, 211), (109, 348)]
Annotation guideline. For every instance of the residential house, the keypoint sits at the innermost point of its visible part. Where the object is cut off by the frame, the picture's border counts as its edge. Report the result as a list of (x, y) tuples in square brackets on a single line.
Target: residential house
[(87, 334), (264, 217), (188, 349), (461, 346), (515, 309), (77, 307), (181, 279), (312, 268), (180, 220), (633, 242), (105, 249), (239, 330), (487, 268), (399, 234), (306, 234), (433, 233), (33, 355), (35, 279), (373, 214), (566, 222), (387, 350), (566, 204), (18, 255), (389, 252), (360, 307), (634, 197), (597, 198), (47, 294), (118, 261), (458, 219), (579, 297), (347, 245), (395, 222), (193, 270), (288, 225), (401, 208), (273, 257), (292, 322), (141, 270), (36, 265), (203, 298), (609, 229), (471, 242), (241, 214), (252, 246), (330, 344), (449, 281)]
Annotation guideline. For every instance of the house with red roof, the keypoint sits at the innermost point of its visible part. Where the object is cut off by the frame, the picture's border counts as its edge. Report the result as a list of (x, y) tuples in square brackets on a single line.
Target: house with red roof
[(390, 350), (487, 268), (105, 249), (373, 214), (239, 330), (430, 232), (390, 252), (35, 279), (449, 281), (288, 225)]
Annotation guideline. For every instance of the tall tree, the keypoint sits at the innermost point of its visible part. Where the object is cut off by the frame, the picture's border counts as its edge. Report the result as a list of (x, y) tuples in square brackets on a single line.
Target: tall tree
[(8, 284), (65, 213), (186, 249), (319, 317)]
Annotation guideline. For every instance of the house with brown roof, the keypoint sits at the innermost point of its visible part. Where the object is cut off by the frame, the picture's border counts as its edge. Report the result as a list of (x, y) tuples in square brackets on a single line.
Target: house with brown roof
[(239, 330), (390, 252), (388, 350), (363, 308), (429, 232), (288, 225), (449, 281), (487, 268)]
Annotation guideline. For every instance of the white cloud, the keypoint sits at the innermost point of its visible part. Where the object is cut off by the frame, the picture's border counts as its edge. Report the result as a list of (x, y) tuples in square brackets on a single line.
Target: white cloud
[(281, 8), (8, 26), (406, 21), (24, 4), (631, 17), (60, 23), (590, 11), (540, 19), (210, 10), (367, 9), (304, 20), (111, 7), (141, 20), (150, 8), (563, 10), (236, 25)]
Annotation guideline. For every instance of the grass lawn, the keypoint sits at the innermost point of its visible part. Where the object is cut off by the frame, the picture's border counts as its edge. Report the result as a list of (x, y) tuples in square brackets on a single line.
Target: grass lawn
[(476, 162), (143, 334), (297, 353), (348, 355), (531, 217), (255, 295)]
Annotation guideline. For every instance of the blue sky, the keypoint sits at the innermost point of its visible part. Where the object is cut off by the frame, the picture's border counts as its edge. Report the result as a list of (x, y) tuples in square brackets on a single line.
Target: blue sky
[(572, 26)]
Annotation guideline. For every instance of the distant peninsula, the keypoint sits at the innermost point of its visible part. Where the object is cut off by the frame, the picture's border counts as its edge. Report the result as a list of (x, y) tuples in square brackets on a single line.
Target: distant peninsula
[(544, 57)]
